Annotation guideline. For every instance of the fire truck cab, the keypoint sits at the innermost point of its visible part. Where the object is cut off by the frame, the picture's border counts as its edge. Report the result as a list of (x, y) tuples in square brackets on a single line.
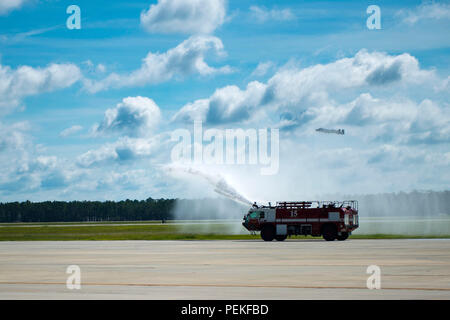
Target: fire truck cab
[(330, 219)]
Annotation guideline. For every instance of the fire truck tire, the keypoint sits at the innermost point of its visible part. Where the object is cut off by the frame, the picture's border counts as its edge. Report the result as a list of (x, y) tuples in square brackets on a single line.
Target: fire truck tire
[(280, 238), (268, 233), (329, 232), (343, 236)]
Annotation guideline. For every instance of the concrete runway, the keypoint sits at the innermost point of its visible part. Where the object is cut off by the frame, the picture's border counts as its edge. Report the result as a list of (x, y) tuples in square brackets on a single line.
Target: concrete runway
[(294, 269)]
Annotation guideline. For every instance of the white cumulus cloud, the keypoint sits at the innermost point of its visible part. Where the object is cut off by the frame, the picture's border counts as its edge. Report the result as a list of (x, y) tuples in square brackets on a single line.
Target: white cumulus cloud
[(25, 81), (124, 149), (185, 59), (228, 104), (133, 116), (300, 89), (184, 16)]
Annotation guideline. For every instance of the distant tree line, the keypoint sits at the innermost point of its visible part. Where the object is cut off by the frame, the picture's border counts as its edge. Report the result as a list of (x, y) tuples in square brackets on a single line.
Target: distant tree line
[(61, 211), (127, 210)]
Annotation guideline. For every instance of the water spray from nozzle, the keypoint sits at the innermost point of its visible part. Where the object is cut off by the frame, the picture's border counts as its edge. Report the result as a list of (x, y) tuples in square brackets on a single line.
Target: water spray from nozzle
[(221, 186)]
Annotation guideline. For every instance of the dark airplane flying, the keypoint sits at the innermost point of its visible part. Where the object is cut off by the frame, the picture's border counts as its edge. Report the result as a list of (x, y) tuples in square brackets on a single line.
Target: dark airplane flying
[(336, 131)]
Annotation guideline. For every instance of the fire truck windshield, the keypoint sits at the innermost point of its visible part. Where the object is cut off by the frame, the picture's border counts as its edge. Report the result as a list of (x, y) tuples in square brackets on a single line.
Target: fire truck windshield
[(251, 215), (255, 214)]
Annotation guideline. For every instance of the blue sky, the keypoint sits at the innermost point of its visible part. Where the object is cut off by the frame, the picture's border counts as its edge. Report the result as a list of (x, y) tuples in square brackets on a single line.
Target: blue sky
[(292, 65)]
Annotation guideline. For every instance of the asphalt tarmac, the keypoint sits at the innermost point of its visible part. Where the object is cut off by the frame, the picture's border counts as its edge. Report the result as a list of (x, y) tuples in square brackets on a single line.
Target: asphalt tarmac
[(294, 269)]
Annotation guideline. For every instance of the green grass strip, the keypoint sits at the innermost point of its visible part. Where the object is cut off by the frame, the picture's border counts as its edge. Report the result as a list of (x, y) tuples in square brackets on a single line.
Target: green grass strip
[(151, 232)]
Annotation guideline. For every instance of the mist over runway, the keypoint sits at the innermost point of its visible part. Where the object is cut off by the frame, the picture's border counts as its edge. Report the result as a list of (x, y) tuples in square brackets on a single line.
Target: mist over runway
[(294, 269)]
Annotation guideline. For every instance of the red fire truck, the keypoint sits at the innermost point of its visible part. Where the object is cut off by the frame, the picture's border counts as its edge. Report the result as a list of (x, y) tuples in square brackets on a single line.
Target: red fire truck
[(330, 219)]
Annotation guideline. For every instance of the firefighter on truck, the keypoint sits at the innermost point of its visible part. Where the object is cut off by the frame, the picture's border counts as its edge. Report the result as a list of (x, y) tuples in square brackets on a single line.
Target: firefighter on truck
[(330, 219)]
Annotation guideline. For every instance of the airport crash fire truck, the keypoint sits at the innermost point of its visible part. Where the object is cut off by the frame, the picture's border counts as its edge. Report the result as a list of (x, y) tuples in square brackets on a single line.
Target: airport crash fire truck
[(330, 219)]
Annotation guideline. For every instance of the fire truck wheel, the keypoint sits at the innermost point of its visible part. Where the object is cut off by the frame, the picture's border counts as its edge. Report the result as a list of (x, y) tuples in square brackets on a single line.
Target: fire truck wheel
[(268, 233), (329, 232), (280, 238), (343, 236)]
